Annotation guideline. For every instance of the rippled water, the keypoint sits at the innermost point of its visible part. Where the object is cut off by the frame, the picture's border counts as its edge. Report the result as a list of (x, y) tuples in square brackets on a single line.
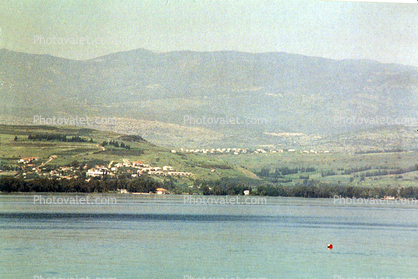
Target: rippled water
[(161, 237)]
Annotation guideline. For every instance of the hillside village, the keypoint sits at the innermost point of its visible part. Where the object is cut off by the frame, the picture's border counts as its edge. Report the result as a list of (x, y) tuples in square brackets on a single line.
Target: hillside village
[(32, 167)]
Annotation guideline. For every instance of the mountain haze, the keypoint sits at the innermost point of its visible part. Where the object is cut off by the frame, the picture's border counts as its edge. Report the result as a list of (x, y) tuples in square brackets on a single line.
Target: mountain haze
[(284, 92)]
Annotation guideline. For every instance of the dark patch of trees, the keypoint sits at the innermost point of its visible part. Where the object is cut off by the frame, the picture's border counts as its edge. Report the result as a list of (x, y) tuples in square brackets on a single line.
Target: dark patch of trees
[(359, 169), (388, 172), (116, 144), (141, 184), (58, 137), (281, 172), (323, 190), (132, 138), (214, 166), (8, 167), (224, 186), (328, 173)]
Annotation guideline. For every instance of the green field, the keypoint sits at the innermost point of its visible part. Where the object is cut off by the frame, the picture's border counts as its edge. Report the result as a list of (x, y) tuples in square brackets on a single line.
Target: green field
[(337, 163)]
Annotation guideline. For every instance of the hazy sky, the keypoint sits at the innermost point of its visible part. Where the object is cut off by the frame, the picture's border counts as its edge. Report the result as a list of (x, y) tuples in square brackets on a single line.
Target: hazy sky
[(386, 32)]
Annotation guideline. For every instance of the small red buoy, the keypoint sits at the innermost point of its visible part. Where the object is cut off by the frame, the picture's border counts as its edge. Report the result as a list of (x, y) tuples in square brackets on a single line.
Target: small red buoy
[(329, 246)]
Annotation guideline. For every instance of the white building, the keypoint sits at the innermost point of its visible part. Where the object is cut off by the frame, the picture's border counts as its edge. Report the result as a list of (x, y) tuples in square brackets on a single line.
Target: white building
[(168, 168), (96, 172)]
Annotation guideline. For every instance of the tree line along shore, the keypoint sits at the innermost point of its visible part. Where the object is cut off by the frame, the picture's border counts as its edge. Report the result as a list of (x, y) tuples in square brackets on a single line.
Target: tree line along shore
[(225, 186)]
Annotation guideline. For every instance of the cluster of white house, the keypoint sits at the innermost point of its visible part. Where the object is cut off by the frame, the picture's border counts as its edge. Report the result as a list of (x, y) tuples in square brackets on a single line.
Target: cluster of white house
[(141, 169), (59, 173), (237, 151), (28, 160), (99, 171), (164, 171)]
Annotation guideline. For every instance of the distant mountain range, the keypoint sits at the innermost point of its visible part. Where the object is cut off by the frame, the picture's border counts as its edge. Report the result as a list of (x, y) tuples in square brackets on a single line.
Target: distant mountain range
[(183, 97)]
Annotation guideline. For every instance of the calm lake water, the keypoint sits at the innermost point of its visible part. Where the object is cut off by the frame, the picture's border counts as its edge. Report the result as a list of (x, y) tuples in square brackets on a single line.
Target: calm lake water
[(161, 237)]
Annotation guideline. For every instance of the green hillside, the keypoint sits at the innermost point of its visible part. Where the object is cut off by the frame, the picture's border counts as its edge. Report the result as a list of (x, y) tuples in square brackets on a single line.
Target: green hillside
[(15, 145)]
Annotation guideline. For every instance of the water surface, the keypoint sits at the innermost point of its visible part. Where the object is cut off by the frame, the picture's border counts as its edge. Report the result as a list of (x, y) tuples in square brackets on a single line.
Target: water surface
[(161, 237)]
